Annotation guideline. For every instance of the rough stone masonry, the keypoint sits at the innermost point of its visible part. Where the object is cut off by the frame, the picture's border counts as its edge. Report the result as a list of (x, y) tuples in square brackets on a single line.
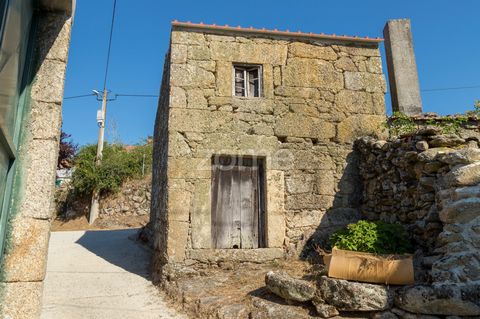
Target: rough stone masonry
[(24, 263), (319, 94)]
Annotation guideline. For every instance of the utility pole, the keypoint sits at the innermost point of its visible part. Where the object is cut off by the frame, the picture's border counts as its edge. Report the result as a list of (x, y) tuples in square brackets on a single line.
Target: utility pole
[(101, 116), (94, 207)]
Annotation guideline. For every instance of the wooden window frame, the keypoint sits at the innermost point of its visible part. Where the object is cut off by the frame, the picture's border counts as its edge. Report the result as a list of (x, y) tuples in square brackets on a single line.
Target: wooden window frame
[(247, 68)]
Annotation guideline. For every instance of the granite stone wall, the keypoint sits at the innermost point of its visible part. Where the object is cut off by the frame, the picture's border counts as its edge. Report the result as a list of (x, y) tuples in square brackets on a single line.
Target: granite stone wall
[(429, 182), (32, 207), (318, 97)]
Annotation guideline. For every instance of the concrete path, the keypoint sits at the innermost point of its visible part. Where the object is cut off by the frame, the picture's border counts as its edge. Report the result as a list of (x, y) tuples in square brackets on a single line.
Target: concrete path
[(101, 275)]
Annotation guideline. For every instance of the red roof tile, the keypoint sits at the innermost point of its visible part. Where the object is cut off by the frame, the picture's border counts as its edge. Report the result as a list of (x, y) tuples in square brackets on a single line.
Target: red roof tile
[(287, 32)]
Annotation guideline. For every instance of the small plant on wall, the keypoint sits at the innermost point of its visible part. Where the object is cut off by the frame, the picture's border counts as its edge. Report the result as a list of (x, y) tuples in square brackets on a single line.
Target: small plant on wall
[(401, 124)]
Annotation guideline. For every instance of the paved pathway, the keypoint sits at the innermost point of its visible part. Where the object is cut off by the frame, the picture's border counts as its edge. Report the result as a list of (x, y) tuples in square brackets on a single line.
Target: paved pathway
[(100, 275)]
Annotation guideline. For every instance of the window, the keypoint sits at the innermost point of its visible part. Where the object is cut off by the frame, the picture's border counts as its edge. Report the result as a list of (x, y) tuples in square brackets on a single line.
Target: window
[(247, 80)]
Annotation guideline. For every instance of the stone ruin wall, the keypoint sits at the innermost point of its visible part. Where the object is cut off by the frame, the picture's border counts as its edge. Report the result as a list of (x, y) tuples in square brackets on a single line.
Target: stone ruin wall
[(132, 199), (429, 182), (318, 98)]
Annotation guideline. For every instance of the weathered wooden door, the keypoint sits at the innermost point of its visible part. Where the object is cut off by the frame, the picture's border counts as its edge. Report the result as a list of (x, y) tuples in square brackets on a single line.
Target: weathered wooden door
[(237, 202)]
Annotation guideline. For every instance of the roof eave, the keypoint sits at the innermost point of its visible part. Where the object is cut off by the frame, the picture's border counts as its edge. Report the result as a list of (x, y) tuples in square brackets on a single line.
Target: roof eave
[(276, 33)]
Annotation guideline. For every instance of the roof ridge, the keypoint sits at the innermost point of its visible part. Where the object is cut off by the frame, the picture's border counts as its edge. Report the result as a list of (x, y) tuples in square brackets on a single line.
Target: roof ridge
[(287, 32)]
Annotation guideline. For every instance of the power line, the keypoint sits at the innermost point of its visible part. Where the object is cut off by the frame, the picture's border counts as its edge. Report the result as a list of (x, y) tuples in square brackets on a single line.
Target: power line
[(119, 94), (452, 88), (78, 96), (137, 95), (449, 88), (109, 45), (156, 95)]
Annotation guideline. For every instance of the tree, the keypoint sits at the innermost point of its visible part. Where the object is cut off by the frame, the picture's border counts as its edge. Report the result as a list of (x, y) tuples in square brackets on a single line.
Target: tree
[(118, 164), (67, 151)]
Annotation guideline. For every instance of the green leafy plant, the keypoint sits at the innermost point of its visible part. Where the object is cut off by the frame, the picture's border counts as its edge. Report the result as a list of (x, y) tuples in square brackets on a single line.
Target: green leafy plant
[(401, 124), (372, 237), (476, 110), (450, 124), (118, 164)]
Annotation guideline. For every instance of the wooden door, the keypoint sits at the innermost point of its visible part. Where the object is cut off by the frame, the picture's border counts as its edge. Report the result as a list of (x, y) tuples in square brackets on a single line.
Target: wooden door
[(237, 193)]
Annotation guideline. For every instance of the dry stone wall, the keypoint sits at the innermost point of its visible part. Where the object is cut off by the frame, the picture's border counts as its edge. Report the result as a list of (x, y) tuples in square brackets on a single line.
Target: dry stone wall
[(133, 199), (318, 97), (429, 182)]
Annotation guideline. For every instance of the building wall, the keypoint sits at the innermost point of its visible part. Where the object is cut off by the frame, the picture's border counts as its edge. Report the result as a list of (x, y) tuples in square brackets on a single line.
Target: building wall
[(158, 211), (24, 263), (318, 97)]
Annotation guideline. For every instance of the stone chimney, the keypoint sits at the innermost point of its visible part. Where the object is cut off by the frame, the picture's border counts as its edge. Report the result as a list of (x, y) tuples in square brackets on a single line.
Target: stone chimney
[(402, 68)]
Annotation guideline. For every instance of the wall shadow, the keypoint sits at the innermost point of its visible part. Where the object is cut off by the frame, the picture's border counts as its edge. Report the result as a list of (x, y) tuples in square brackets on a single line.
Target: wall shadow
[(346, 209), (120, 248)]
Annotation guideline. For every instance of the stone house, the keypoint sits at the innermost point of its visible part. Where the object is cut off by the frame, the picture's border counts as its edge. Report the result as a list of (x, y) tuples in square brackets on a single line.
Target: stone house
[(34, 42), (253, 147)]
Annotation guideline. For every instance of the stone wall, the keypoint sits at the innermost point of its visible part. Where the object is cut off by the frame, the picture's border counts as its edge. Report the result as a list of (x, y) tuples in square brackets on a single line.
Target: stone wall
[(158, 224), (429, 182), (133, 199), (25, 261), (318, 97)]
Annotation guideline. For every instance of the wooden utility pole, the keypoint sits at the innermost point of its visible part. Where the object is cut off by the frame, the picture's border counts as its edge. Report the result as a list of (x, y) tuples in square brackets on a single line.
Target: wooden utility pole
[(94, 207)]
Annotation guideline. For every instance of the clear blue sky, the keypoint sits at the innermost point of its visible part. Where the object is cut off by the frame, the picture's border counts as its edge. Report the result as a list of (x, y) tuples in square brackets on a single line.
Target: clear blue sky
[(446, 38)]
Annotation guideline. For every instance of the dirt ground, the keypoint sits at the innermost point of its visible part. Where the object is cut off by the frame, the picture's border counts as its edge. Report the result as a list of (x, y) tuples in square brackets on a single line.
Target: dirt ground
[(228, 290), (102, 223)]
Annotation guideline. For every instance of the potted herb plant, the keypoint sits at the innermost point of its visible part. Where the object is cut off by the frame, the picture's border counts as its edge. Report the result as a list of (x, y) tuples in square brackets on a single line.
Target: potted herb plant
[(375, 252)]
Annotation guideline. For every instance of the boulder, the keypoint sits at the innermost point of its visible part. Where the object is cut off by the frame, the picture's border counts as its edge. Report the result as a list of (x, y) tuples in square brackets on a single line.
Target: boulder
[(324, 310), (421, 145), (429, 131), (384, 315), (446, 299), (466, 175), (463, 156), (354, 296), (281, 284), (264, 309), (430, 154), (461, 211), (408, 315), (446, 140)]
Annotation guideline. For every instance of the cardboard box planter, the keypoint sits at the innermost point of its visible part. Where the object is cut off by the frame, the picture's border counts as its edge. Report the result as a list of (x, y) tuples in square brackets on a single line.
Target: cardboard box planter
[(367, 267)]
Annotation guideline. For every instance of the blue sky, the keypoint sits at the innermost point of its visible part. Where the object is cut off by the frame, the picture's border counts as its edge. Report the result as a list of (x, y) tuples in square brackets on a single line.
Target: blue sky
[(446, 39)]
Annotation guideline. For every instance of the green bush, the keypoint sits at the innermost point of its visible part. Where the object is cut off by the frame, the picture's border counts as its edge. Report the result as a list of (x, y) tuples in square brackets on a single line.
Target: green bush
[(118, 165), (372, 237)]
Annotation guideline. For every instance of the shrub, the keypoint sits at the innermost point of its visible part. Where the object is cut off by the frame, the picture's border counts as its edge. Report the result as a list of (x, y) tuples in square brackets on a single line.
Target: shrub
[(372, 237), (118, 164), (66, 151)]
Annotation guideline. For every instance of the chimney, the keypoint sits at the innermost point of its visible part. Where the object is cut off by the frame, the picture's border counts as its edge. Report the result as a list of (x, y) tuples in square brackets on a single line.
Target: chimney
[(402, 68)]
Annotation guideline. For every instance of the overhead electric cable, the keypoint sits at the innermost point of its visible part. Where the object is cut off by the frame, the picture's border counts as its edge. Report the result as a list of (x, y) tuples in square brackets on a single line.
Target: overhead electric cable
[(109, 45)]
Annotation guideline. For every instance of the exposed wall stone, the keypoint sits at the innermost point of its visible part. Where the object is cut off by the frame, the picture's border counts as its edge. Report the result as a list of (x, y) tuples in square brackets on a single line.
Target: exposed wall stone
[(433, 190), (32, 206), (158, 211), (303, 126), (133, 199)]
